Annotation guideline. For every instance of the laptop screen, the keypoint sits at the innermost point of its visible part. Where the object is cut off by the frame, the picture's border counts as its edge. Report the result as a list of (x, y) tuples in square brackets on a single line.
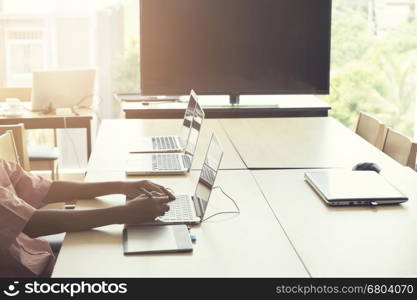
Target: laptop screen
[(195, 129), (208, 173), (188, 119)]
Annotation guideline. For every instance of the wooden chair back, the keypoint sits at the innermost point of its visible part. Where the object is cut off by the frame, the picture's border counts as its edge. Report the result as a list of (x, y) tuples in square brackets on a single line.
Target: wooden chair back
[(371, 130), (7, 148), (19, 136), (400, 148)]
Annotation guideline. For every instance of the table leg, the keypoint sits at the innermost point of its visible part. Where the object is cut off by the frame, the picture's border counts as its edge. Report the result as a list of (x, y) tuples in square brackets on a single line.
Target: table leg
[(88, 128)]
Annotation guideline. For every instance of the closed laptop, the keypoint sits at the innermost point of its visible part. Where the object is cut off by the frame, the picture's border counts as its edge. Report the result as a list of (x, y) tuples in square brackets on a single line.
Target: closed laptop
[(346, 187)]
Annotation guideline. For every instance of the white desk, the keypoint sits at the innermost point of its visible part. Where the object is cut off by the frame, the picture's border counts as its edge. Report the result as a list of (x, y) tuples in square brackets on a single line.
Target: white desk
[(291, 143), (249, 245), (346, 241), (330, 241)]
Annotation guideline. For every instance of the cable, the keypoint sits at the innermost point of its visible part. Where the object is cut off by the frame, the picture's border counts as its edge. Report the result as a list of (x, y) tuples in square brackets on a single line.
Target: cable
[(94, 109), (224, 212), (72, 142), (73, 108), (85, 97)]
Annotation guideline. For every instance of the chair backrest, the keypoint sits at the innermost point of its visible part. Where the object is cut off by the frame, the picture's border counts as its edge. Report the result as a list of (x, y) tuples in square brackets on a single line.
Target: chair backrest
[(7, 148), (400, 148), (24, 94), (371, 129), (19, 136)]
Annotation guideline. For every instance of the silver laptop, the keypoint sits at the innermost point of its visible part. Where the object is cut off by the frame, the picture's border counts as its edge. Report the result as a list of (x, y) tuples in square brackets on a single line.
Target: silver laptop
[(63, 88), (168, 163), (190, 209), (346, 187), (168, 143)]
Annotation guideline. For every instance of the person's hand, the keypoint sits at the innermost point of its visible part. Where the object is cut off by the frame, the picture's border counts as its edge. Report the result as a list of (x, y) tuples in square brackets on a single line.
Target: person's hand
[(144, 209), (133, 189)]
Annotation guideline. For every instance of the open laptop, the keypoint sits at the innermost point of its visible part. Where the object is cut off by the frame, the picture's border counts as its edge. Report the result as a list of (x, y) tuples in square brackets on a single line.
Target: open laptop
[(190, 209), (346, 187), (168, 163), (168, 143), (63, 89)]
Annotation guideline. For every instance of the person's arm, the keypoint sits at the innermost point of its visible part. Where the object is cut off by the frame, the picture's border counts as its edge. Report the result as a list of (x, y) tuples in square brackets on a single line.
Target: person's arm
[(136, 211), (62, 191), (14, 215)]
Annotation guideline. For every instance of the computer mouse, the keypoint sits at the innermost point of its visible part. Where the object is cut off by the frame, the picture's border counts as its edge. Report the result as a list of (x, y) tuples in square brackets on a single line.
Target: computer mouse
[(367, 166)]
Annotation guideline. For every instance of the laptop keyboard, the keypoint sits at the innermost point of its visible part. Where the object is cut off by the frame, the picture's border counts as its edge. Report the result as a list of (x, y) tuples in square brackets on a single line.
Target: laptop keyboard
[(164, 143), (208, 175), (169, 161), (166, 162), (179, 209)]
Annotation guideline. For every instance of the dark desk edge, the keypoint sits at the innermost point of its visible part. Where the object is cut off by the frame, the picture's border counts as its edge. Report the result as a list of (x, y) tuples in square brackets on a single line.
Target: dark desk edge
[(215, 112)]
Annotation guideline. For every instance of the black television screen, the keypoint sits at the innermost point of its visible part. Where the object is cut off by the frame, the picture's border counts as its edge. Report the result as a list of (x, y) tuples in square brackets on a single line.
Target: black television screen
[(235, 46)]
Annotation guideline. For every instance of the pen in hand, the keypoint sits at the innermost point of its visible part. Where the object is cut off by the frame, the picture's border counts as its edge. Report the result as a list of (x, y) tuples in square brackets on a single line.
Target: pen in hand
[(146, 192), (153, 196), (158, 198)]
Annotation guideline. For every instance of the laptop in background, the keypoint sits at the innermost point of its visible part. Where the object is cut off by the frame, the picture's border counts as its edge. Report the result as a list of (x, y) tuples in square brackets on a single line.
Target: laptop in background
[(63, 89), (346, 187), (168, 143), (168, 163)]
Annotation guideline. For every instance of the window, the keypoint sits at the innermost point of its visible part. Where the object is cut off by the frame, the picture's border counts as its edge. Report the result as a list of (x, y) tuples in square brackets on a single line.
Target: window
[(374, 62), (56, 34), (24, 53)]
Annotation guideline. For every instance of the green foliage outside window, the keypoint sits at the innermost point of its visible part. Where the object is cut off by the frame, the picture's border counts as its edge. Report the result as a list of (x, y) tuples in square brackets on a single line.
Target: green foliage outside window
[(372, 73)]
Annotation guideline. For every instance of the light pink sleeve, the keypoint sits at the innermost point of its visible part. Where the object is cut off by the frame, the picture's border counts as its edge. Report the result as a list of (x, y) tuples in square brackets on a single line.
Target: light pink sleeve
[(14, 214), (30, 188)]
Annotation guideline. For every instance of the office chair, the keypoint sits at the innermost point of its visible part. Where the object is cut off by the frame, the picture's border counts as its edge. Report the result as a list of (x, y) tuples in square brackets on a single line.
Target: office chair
[(371, 129), (40, 157), (8, 148), (400, 148), (19, 136)]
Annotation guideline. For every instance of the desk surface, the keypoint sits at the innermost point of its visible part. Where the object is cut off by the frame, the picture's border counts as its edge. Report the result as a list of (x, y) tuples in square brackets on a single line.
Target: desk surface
[(291, 143), (39, 120), (349, 241), (114, 137), (27, 113), (251, 244), (329, 241)]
